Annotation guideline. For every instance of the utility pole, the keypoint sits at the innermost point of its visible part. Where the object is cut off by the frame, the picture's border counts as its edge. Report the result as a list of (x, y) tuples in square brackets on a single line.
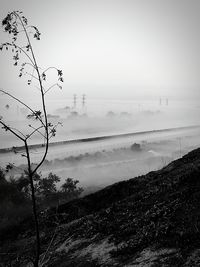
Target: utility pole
[(83, 100), (75, 98)]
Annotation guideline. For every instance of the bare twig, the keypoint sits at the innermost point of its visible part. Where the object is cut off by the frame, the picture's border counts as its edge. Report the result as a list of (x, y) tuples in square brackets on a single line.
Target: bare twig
[(27, 73), (12, 131), (21, 102), (35, 130), (49, 246), (56, 84)]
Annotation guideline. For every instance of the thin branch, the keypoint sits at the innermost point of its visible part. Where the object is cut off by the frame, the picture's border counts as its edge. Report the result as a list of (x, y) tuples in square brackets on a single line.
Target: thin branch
[(12, 128), (25, 54), (49, 69), (53, 128), (51, 87), (27, 63), (49, 246), (30, 26), (43, 103), (16, 167), (27, 73), (21, 102), (49, 129), (33, 204), (35, 130), (12, 131)]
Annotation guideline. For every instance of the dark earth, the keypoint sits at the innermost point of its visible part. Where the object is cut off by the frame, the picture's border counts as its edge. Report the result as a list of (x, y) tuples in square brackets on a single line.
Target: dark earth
[(151, 220)]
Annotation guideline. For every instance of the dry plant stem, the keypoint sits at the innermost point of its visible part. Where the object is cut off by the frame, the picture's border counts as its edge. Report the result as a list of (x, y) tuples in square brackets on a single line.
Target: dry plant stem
[(42, 95), (46, 252), (12, 131), (31, 173), (35, 130), (49, 130), (33, 206), (22, 103), (26, 55)]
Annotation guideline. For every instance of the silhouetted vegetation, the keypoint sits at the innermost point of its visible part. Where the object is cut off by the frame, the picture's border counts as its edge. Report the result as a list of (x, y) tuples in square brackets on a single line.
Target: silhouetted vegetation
[(15, 24), (14, 205), (15, 198), (155, 211)]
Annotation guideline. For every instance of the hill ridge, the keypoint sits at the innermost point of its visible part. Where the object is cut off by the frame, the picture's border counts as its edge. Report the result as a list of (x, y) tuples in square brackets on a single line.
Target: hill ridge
[(150, 220)]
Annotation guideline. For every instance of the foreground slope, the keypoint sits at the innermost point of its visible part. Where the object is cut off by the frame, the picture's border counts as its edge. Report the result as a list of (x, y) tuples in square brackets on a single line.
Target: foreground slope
[(151, 220)]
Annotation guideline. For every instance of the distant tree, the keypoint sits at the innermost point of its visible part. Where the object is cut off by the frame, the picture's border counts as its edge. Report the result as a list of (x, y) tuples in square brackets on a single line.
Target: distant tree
[(110, 114), (70, 190), (23, 184), (47, 192), (136, 147), (22, 34), (47, 185)]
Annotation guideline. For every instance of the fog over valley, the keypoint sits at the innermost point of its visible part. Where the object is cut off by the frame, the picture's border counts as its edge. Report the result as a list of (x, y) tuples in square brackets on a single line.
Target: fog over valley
[(100, 133), (101, 162)]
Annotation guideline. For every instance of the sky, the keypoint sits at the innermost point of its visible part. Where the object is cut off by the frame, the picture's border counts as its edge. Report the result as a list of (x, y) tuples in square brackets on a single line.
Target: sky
[(112, 48)]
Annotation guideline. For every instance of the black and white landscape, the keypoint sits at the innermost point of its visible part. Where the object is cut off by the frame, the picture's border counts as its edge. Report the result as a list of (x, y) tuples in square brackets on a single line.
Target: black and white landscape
[(99, 133)]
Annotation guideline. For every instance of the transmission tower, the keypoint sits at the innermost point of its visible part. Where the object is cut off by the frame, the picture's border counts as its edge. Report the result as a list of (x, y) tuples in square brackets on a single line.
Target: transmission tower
[(74, 101)]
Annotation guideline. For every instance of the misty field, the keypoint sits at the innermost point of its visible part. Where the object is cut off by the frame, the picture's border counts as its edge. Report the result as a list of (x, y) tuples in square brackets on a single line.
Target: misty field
[(100, 163), (102, 117)]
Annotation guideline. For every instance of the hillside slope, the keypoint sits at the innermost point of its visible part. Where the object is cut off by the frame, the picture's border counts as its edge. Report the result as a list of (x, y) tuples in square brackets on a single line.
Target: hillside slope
[(151, 220)]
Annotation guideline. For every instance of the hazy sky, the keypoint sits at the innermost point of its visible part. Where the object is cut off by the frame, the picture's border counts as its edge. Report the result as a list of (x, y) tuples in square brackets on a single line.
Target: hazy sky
[(113, 48)]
